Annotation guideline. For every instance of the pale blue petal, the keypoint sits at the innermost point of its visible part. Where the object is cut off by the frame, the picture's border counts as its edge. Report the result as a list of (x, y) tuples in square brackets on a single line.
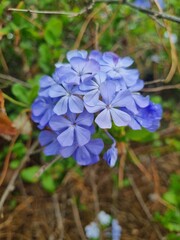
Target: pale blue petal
[(124, 99), (52, 149), (82, 135), (46, 81), (68, 151), (92, 97), (95, 146), (137, 86), (103, 119), (107, 90), (91, 67), (66, 138), (85, 119), (78, 64), (57, 91), (76, 53), (59, 123), (140, 100), (46, 137), (62, 106), (76, 104), (124, 62), (119, 117), (130, 76), (95, 108)]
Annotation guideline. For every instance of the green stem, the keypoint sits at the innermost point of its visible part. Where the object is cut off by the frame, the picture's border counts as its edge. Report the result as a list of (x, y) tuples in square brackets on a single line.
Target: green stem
[(14, 101)]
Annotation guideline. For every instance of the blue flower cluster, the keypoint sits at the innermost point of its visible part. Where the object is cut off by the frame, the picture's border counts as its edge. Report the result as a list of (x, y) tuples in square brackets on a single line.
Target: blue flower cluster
[(90, 88)]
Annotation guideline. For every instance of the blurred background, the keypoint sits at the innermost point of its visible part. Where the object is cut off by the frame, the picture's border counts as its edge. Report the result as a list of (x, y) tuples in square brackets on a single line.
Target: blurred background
[(142, 191)]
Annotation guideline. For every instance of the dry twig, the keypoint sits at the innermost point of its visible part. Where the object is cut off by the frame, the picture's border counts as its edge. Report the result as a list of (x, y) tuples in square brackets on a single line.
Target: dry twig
[(11, 184)]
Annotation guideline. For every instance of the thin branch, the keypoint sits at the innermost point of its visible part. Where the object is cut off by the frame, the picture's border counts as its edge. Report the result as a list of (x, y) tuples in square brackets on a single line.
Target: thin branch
[(143, 10), (46, 167), (70, 14), (157, 89), (143, 205), (11, 186), (58, 216), (154, 81), (14, 80), (77, 219)]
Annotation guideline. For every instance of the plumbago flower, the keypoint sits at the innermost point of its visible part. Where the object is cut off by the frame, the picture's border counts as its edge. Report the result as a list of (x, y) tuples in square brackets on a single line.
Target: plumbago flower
[(88, 90)]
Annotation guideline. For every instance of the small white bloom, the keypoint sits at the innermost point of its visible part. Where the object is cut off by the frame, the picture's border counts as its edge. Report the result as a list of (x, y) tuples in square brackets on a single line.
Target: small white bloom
[(104, 218), (92, 230)]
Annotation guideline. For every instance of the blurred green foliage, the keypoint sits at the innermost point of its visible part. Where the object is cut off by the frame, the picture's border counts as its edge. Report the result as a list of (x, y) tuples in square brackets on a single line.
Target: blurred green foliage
[(171, 218)]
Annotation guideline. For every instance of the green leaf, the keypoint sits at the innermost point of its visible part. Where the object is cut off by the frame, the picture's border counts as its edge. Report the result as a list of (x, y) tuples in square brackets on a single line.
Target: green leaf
[(28, 174), (141, 135), (53, 31), (20, 93), (48, 183)]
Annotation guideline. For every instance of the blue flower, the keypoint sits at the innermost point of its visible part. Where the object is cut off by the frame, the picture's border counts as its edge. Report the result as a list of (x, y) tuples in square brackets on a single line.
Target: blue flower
[(148, 117), (111, 156), (89, 153), (72, 128), (42, 110), (92, 230), (116, 230), (48, 140), (92, 88), (117, 68), (69, 99), (80, 70), (110, 104), (46, 82)]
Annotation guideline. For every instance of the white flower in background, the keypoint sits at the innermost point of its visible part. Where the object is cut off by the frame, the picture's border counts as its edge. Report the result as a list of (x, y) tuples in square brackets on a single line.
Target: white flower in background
[(173, 37), (92, 230), (104, 218)]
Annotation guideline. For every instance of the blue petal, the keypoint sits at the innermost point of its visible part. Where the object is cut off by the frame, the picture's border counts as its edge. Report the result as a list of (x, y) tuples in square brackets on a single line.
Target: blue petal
[(140, 100), (124, 62), (39, 106), (76, 53), (82, 135), (91, 67), (95, 146), (124, 99), (130, 76), (119, 117), (52, 149), (59, 123), (57, 91), (76, 105), (46, 81), (95, 108), (108, 90), (103, 119), (137, 86), (46, 117), (85, 119), (78, 64), (96, 55), (68, 151), (111, 156), (46, 137), (66, 138), (61, 106)]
